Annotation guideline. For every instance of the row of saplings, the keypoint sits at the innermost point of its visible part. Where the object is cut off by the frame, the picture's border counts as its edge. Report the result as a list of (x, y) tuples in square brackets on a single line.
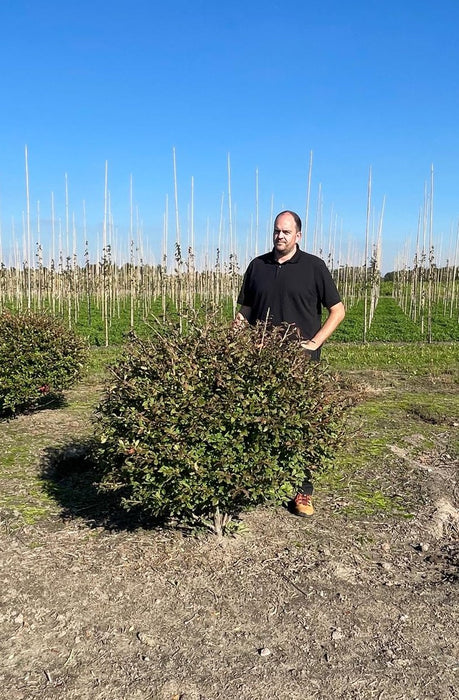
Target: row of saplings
[(198, 421)]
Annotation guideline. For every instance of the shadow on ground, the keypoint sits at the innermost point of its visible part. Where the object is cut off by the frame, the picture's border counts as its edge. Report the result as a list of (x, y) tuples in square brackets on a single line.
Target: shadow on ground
[(50, 402), (71, 476)]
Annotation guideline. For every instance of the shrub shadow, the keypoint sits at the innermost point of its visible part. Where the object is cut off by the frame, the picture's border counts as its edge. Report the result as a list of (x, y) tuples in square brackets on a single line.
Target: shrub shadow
[(47, 403), (51, 402), (72, 478)]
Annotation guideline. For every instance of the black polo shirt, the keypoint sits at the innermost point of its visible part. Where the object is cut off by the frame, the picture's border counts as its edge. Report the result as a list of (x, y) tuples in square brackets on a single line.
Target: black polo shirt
[(291, 292)]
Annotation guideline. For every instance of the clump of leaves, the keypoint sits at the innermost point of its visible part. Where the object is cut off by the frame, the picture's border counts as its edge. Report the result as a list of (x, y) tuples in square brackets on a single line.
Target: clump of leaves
[(39, 358), (201, 424)]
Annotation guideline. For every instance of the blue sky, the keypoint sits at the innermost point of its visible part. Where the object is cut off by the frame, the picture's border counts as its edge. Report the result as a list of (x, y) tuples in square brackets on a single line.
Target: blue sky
[(360, 84)]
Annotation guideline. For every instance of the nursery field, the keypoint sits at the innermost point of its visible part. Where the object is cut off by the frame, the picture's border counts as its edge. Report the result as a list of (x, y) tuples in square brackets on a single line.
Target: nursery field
[(389, 323), (358, 602), (103, 301)]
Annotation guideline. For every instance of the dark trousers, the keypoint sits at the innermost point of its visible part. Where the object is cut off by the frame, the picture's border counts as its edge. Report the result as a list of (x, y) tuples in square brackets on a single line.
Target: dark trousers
[(306, 487)]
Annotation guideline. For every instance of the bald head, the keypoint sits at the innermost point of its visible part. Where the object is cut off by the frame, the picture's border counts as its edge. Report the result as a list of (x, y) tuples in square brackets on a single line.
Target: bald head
[(294, 216)]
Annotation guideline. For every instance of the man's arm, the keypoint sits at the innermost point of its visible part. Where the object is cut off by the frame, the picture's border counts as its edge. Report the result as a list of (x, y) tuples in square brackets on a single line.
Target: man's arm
[(336, 314)]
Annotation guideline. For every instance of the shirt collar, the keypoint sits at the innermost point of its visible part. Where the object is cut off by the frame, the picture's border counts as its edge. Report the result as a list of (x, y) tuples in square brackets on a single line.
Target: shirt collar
[(293, 259)]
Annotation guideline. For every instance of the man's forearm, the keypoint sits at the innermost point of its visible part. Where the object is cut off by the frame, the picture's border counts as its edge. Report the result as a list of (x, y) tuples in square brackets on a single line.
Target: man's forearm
[(336, 314)]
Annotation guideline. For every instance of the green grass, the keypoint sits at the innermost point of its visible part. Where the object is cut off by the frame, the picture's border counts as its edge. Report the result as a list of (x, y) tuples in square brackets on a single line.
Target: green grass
[(351, 329), (90, 324), (390, 323), (368, 478), (444, 325), (99, 359), (407, 359), (26, 439)]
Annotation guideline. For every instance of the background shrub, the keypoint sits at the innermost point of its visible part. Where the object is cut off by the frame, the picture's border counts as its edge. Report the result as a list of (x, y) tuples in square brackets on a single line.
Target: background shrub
[(39, 358), (203, 424)]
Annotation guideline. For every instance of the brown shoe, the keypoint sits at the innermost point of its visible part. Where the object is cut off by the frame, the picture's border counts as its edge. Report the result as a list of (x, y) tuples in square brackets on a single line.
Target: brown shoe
[(302, 505)]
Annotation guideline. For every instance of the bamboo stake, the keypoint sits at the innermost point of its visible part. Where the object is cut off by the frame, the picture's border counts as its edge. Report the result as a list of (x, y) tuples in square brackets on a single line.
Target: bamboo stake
[(257, 213), (429, 294), (177, 220), (230, 208), (318, 219), (453, 286), (104, 243), (308, 196), (131, 251), (29, 248), (367, 227)]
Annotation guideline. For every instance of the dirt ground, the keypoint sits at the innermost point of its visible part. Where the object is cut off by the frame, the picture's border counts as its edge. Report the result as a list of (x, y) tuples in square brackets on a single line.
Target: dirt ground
[(333, 606)]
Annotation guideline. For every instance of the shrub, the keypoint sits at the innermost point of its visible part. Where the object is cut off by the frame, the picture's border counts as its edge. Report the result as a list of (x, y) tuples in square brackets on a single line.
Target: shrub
[(200, 425), (39, 358)]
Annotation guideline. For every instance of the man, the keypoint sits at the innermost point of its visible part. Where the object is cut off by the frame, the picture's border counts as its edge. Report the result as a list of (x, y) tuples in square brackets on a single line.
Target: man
[(290, 286)]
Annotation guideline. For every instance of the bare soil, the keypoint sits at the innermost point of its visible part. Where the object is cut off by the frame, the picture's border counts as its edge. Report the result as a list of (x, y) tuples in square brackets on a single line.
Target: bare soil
[(333, 606)]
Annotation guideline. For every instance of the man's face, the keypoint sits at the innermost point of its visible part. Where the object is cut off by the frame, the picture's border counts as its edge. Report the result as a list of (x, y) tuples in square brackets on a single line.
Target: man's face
[(285, 234)]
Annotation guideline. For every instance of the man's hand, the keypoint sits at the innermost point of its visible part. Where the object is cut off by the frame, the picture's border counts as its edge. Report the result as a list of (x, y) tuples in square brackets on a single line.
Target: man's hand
[(241, 317), (239, 320), (309, 345)]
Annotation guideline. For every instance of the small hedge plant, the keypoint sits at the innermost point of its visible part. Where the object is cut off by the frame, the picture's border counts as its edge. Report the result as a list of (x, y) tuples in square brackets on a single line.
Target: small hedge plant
[(39, 357), (202, 424)]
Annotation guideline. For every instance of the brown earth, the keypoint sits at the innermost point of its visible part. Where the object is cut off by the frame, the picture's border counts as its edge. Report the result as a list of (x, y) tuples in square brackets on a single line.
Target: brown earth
[(333, 606)]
